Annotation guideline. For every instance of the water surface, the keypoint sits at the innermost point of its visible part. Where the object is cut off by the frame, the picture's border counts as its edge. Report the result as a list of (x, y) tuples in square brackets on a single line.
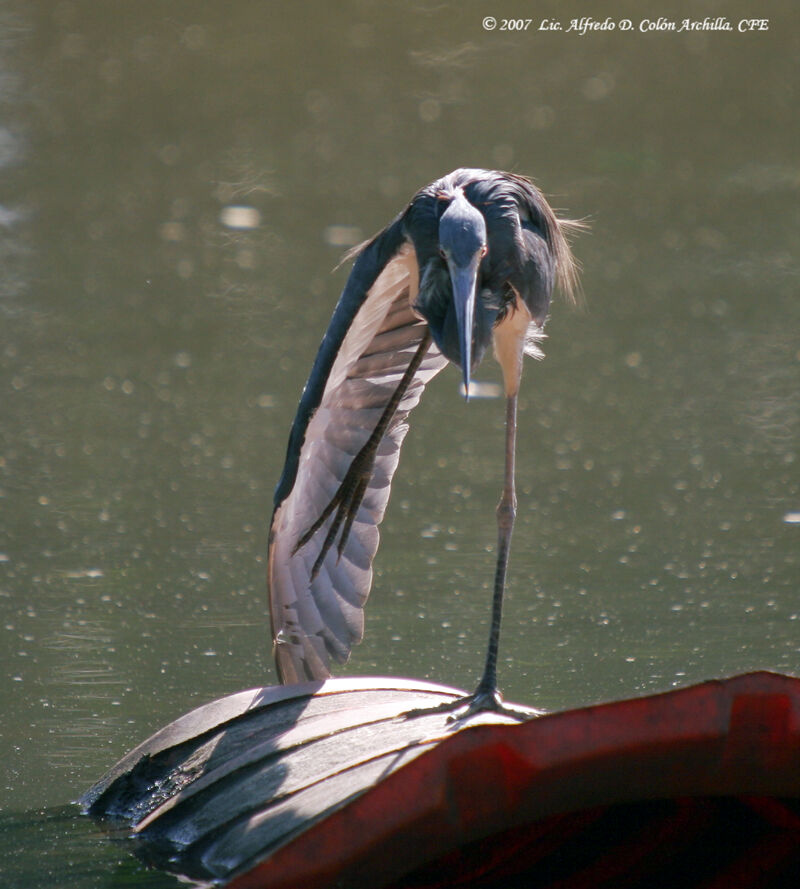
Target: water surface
[(154, 341)]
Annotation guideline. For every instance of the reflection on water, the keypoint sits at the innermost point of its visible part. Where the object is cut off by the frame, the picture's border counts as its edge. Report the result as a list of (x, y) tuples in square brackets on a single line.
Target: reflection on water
[(176, 191)]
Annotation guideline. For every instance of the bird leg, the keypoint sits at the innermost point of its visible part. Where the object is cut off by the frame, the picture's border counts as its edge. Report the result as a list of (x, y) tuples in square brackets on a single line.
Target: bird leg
[(509, 340), (486, 696), (347, 499)]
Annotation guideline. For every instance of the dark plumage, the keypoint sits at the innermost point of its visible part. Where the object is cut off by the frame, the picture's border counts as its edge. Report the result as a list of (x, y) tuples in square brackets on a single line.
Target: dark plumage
[(472, 259)]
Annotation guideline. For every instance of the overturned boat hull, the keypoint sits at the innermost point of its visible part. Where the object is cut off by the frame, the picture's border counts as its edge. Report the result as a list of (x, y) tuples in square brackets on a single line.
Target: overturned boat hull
[(369, 782)]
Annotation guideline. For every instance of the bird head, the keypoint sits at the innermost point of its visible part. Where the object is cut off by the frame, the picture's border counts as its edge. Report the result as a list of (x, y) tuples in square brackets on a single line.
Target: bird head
[(463, 244)]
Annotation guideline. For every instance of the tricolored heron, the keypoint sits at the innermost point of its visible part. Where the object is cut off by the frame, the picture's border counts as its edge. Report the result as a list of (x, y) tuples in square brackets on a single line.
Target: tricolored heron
[(473, 258)]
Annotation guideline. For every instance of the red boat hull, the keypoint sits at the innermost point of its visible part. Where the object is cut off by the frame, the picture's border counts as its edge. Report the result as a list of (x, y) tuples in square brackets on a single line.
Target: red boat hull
[(694, 787)]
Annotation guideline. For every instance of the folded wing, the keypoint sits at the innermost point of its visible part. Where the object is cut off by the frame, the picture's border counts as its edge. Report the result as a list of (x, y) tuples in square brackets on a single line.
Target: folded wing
[(371, 340)]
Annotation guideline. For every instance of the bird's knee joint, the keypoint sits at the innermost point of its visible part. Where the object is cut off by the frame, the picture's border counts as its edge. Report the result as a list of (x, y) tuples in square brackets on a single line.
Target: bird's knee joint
[(506, 513)]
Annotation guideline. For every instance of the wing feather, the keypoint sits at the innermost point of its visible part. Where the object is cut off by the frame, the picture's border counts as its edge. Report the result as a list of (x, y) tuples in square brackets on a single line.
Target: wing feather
[(316, 621)]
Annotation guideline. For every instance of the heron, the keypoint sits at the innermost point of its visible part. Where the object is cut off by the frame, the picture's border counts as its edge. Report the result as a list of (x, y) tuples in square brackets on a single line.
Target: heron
[(473, 259)]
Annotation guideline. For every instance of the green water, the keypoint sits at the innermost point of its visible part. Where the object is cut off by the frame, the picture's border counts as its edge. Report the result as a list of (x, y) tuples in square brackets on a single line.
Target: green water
[(151, 358)]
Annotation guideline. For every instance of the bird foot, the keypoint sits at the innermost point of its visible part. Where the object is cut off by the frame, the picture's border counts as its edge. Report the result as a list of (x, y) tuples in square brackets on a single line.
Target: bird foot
[(489, 700), (480, 701), (345, 502)]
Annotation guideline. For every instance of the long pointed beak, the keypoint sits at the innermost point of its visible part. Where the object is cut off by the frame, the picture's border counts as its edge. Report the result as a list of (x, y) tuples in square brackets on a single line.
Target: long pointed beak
[(464, 280)]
